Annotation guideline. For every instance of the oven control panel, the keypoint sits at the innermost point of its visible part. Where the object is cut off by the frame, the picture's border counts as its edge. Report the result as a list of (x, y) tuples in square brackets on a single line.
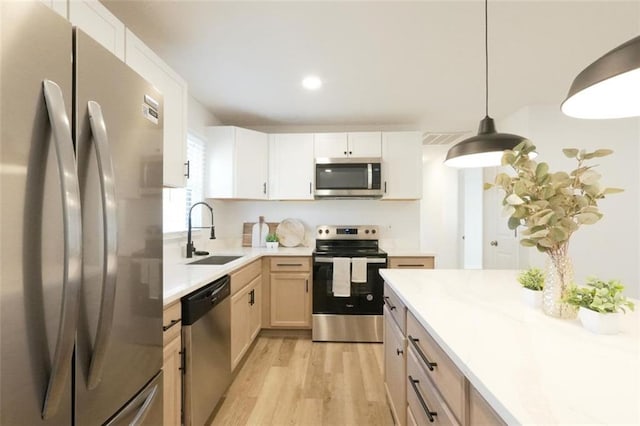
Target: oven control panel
[(347, 232)]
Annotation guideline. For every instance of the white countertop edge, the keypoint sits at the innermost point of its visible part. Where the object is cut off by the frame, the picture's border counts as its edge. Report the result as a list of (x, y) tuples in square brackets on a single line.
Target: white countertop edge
[(196, 276)]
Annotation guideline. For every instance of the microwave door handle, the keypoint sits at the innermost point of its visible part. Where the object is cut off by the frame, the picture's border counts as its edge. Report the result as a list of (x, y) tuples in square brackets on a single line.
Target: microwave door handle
[(72, 273), (110, 262), (369, 176)]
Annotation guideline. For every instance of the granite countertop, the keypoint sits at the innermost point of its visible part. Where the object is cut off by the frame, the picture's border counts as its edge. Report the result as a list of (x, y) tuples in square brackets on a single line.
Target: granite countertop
[(531, 368), (180, 279)]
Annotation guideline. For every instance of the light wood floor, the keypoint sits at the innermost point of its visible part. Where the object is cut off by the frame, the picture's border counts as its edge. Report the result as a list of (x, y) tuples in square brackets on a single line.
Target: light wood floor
[(294, 381)]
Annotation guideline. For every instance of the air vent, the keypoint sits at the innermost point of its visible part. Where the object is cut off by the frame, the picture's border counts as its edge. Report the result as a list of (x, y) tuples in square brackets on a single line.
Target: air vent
[(443, 138)]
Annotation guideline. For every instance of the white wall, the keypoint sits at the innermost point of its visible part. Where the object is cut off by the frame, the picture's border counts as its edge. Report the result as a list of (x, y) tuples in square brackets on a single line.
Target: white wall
[(398, 220), (439, 208), (609, 249), (198, 117)]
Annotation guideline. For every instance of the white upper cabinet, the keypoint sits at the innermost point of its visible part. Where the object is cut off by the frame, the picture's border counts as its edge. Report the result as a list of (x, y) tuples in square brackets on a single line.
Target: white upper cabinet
[(237, 163), (291, 166), (343, 145), (100, 24), (402, 165), (175, 93), (60, 6)]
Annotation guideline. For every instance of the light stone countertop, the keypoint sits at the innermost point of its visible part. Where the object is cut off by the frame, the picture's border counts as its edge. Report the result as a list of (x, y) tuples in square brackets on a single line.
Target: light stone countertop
[(531, 368), (180, 279)]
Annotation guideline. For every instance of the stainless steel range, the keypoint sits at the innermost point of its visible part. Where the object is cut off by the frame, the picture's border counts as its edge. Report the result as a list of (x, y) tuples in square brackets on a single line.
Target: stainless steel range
[(347, 286)]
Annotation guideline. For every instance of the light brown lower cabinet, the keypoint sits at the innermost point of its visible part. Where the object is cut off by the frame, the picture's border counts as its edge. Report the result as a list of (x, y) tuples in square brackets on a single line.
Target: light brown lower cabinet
[(246, 318), (412, 262), (290, 299), (480, 412), (171, 365), (394, 367)]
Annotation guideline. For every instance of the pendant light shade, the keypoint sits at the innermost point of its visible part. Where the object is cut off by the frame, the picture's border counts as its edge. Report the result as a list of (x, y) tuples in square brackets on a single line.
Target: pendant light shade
[(486, 148), (483, 150), (609, 87)]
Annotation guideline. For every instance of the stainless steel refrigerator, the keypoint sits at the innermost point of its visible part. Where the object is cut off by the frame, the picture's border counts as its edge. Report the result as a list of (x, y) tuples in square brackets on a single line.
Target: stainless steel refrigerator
[(81, 224)]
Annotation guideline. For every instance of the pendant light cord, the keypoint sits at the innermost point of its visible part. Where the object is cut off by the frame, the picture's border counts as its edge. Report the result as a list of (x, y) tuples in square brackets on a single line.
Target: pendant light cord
[(486, 59)]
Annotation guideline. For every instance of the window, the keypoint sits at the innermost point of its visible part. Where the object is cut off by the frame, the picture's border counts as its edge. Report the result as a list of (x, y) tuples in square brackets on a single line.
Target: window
[(177, 201)]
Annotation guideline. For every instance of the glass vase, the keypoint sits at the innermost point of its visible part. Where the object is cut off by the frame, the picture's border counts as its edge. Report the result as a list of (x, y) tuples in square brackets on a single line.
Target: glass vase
[(558, 279)]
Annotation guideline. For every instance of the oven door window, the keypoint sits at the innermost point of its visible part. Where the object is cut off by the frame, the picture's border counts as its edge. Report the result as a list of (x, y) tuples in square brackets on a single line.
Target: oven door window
[(342, 176), (365, 299)]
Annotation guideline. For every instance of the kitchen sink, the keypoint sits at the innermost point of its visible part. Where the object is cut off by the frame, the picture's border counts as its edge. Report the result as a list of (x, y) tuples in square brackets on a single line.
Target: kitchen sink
[(215, 260)]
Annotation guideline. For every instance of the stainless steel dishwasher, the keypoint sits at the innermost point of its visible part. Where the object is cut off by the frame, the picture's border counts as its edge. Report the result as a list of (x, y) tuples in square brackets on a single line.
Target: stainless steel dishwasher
[(206, 334)]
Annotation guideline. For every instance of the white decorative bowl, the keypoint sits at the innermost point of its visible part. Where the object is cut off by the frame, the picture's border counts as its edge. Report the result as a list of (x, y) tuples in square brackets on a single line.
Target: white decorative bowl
[(599, 323), (532, 298)]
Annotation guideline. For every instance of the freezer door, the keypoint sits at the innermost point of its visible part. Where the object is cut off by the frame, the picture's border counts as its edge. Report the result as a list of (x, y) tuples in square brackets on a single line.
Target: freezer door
[(118, 132), (145, 409), (36, 45)]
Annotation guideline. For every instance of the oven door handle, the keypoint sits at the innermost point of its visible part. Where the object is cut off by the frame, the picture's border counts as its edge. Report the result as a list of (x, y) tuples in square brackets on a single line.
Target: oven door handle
[(369, 260)]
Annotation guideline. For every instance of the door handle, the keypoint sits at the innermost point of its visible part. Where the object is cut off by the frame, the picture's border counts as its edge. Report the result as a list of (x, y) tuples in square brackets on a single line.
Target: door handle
[(72, 272), (494, 243), (147, 398), (110, 262), (264, 188), (188, 167)]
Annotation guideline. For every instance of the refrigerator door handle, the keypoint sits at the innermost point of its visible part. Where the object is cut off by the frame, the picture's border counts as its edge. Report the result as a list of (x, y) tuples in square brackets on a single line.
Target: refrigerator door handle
[(110, 262), (72, 218), (147, 398)]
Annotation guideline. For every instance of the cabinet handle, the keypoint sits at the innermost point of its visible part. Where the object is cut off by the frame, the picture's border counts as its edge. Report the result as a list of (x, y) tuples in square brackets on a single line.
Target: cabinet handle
[(410, 265), (264, 188), (183, 360), (385, 186), (350, 152), (345, 153), (309, 187), (414, 385), (399, 351), (171, 324), (388, 303), (494, 243), (252, 297), (289, 264), (306, 286), (188, 164), (430, 364)]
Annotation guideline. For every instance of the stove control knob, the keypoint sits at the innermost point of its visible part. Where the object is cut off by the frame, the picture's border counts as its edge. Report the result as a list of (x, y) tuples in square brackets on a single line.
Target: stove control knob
[(366, 231), (326, 231), (319, 231), (369, 297), (373, 231)]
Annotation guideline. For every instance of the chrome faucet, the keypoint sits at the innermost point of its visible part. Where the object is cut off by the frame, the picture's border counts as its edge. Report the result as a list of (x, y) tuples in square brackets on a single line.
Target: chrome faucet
[(190, 248)]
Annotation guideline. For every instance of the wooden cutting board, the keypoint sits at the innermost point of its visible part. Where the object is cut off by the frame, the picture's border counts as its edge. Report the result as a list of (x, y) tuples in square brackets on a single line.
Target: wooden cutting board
[(247, 228)]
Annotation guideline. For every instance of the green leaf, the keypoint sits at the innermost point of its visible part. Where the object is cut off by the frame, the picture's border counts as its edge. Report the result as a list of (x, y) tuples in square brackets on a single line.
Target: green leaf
[(602, 152), (589, 177), (587, 218), (570, 152), (527, 243), (508, 158), (487, 185), (513, 223), (608, 191), (514, 200)]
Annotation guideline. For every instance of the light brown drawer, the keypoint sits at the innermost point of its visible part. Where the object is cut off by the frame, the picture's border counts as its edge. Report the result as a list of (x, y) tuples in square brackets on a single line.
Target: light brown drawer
[(426, 262), (446, 377), (480, 412), (171, 324), (243, 276), (423, 401), (290, 264), (397, 309), (411, 419)]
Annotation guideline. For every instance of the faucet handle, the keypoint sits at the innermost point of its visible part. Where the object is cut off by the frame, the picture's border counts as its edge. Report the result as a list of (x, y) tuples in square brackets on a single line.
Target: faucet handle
[(213, 233)]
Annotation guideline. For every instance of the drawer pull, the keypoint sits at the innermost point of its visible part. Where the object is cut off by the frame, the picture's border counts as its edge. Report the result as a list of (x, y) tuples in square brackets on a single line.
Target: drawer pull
[(414, 385), (386, 301), (399, 352), (171, 324), (430, 364), (410, 265), (289, 264)]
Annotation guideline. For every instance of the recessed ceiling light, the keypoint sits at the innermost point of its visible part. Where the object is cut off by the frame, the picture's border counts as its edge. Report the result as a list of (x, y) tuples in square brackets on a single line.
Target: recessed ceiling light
[(311, 82)]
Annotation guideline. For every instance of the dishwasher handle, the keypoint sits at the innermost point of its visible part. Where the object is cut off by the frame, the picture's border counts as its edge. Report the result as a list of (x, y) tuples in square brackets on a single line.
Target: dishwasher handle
[(198, 303)]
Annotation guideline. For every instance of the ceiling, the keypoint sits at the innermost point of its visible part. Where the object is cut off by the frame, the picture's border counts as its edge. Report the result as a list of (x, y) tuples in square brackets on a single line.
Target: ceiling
[(415, 64)]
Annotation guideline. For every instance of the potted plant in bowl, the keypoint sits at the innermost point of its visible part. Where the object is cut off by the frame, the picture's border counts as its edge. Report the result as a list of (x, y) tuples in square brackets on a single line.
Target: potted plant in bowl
[(272, 241), (601, 305), (551, 206), (532, 281)]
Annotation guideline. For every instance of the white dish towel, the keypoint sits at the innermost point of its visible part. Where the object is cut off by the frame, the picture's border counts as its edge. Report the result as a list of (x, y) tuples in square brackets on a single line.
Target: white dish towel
[(359, 270), (341, 277)]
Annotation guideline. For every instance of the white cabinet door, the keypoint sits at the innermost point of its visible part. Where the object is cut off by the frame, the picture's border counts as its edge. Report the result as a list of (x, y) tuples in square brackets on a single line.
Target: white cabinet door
[(237, 163), (251, 164), (100, 24), (175, 92), (402, 165), (342, 145), (330, 145), (291, 168), (60, 6), (364, 144)]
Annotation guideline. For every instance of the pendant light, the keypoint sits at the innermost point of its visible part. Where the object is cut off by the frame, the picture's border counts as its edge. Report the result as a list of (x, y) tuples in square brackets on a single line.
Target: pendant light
[(609, 87), (485, 149)]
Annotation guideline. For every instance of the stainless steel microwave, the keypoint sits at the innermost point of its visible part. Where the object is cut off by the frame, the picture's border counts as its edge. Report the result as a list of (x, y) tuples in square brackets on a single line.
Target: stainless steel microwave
[(348, 178)]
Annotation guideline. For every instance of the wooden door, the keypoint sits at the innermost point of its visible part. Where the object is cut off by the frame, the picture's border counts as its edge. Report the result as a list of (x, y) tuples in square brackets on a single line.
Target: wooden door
[(290, 300)]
